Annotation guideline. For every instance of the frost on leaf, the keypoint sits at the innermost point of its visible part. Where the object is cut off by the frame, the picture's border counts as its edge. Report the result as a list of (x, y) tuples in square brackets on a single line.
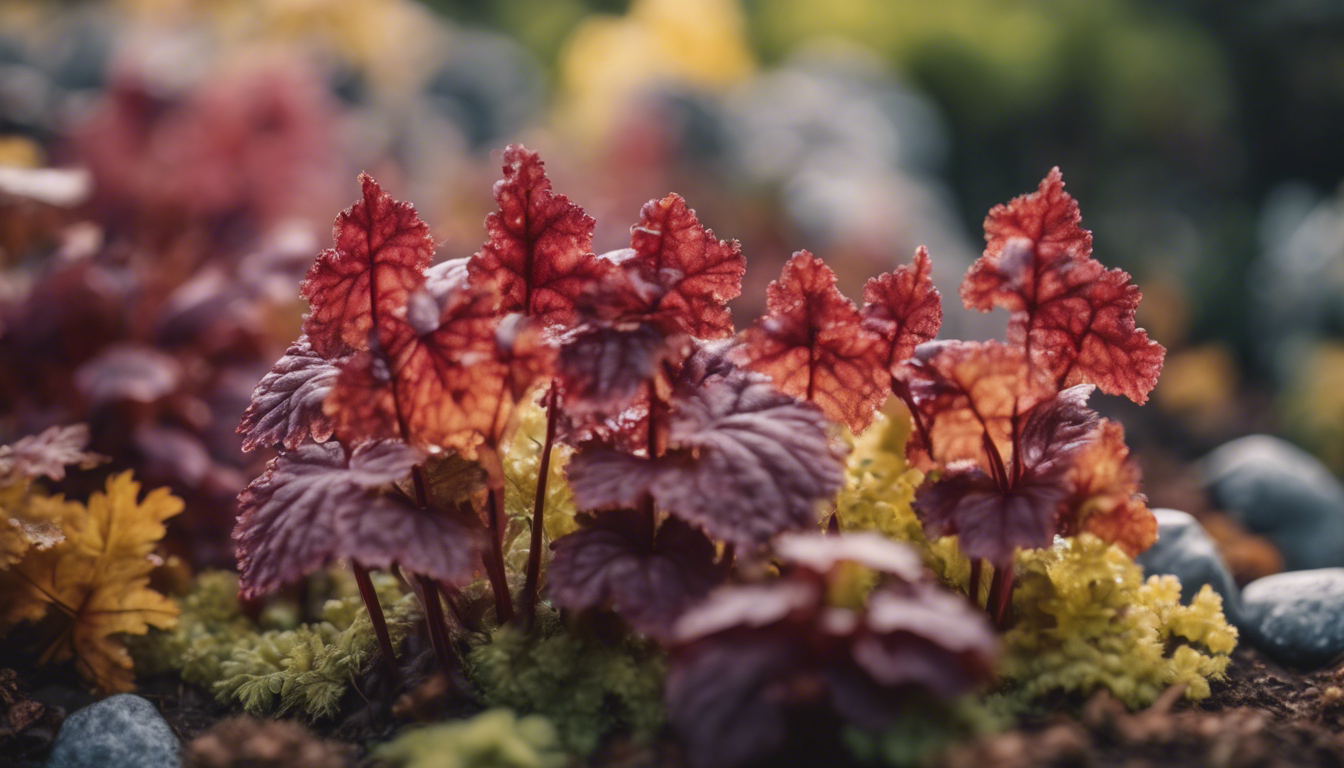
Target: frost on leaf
[(1074, 317), (744, 461), (1104, 494), (539, 251), (815, 346), (903, 307), (616, 559), (382, 250), (965, 391), (48, 454), (286, 405), (698, 274), (97, 580), (319, 502)]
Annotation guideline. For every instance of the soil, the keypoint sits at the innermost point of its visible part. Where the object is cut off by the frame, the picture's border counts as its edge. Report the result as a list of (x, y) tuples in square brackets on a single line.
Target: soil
[(1261, 716)]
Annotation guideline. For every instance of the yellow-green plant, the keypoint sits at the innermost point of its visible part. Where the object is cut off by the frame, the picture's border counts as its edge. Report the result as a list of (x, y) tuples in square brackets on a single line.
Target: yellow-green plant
[(496, 738)]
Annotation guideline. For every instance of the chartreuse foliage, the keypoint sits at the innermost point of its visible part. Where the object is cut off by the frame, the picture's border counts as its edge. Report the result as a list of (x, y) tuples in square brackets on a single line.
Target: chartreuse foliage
[(496, 738), (1087, 619), (588, 689), (271, 671)]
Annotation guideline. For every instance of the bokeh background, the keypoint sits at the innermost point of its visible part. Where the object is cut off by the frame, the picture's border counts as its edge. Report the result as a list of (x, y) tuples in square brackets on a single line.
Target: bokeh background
[(169, 168)]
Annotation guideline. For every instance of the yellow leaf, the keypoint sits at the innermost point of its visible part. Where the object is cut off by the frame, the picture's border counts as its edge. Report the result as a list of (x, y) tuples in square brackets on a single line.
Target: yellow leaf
[(30, 518), (98, 579)]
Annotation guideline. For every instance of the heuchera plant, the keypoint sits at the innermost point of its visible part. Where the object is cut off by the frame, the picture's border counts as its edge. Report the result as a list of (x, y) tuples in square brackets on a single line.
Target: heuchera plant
[(693, 442)]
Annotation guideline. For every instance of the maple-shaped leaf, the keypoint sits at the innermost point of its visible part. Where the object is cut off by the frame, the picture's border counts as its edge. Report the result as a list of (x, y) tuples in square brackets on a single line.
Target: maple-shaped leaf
[(1104, 496), (994, 516), (286, 405), (48, 454), (965, 391), (903, 307), (744, 462), (98, 580), (29, 518), (320, 502), (357, 288), (697, 273), (539, 251), (813, 343), (1074, 317), (649, 578)]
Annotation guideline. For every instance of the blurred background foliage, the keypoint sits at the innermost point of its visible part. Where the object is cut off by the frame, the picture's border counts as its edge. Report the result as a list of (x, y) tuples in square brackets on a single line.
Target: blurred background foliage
[(1204, 139)]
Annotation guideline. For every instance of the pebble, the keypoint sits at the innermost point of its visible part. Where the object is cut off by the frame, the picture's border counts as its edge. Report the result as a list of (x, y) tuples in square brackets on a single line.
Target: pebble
[(122, 731), (1185, 550), (1280, 491), (1297, 618)]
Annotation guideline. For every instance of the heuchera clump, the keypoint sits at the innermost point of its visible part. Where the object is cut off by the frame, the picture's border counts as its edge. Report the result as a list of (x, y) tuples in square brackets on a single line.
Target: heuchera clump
[(692, 449)]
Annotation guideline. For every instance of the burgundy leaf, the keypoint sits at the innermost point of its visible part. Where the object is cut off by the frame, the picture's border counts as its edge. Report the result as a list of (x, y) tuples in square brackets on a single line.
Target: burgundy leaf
[(649, 579), (821, 553), (286, 406), (49, 453), (539, 251), (744, 461), (815, 346), (128, 373), (358, 288), (991, 522), (319, 502), (903, 307)]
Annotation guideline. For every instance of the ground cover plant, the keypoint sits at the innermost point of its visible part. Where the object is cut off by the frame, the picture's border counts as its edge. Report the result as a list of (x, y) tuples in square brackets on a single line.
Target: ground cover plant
[(585, 516)]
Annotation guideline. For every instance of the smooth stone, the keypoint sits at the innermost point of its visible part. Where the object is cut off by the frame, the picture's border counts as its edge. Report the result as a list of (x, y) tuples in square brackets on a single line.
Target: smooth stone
[(1297, 618), (1280, 491), (1185, 550), (122, 731)]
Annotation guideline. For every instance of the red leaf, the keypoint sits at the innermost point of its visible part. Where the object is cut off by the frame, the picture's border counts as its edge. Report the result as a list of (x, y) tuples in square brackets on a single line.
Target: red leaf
[(49, 453), (539, 251), (318, 503), (1074, 317), (698, 273), (614, 559), (1105, 498), (813, 344), (286, 406), (965, 390), (903, 307), (743, 461), (358, 288)]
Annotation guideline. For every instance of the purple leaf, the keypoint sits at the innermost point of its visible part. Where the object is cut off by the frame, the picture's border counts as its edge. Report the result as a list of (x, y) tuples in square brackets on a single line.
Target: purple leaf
[(287, 403)]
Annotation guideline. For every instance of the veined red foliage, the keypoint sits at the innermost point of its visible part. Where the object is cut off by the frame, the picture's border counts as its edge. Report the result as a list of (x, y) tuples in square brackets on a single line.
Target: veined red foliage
[(903, 307), (698, 274), (1074, 317), (358, 289), (814, 344), (1104, 497), (539, 251)]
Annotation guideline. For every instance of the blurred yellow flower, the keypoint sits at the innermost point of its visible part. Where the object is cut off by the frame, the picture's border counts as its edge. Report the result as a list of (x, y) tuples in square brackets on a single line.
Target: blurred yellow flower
[(607, 60)]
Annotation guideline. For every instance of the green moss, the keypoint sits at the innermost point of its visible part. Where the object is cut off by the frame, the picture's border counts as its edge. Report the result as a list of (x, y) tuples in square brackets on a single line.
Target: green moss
[(1086, 619), (522, 463), (495, 738), (589, 690), (927, 730), (268, 672)]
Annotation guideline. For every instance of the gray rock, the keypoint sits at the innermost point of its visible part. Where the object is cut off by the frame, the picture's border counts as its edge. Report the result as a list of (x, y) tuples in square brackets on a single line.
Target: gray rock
[(1297, 617), (123, 731), (1185, 550), (1282, 492)]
